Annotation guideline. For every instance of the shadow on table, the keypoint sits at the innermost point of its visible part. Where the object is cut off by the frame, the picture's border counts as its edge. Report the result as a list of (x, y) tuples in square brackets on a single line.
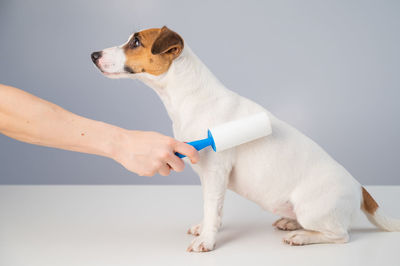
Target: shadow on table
[(232, 232)]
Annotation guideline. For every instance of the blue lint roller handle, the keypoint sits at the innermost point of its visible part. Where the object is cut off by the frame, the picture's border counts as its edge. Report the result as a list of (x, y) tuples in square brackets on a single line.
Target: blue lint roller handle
[(200, 144)]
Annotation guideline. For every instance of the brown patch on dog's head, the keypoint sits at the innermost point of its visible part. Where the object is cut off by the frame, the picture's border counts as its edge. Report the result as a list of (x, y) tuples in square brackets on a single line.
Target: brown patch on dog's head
[(152, 51)]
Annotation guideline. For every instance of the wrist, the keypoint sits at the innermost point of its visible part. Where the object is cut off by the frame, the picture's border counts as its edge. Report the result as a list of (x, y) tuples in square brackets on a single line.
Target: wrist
[(110, 139), (121, 139)]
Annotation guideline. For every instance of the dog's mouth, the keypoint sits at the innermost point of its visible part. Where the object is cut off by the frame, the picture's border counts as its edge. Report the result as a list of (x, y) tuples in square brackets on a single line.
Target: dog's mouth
[(104, 72), (109, 74), (128, 70), (115, 75)]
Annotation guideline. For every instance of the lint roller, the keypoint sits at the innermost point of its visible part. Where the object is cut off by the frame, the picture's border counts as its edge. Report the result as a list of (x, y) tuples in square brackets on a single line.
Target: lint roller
[(234, 133)]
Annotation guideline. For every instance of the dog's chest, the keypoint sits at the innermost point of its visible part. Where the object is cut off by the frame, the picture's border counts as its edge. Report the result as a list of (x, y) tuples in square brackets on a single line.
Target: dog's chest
[(189, 131)]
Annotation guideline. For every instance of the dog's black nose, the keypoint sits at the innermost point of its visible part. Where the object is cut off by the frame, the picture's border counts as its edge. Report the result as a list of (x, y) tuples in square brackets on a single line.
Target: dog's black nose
[(95, 56)]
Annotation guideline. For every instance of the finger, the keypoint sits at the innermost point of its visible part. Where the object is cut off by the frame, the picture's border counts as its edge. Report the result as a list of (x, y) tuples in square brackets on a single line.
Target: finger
[(164, 170), (187, 150), (176, 163)]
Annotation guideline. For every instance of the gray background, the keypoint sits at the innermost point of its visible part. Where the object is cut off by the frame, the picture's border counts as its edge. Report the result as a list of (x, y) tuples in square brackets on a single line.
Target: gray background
[(330, 68)]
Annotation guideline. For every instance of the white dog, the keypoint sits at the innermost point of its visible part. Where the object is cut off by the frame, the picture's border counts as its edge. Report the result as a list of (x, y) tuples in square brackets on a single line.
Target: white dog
[(286, 173)]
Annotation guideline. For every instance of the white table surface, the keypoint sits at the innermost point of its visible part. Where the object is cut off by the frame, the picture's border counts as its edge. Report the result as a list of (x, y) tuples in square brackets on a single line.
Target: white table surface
[(146, 225)]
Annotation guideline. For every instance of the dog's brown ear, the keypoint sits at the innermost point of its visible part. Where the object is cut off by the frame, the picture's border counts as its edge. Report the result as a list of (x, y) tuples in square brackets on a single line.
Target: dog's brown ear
[(167, 42)]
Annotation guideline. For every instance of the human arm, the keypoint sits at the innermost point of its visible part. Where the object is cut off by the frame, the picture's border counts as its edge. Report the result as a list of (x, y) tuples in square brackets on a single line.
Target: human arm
[(30, 119)]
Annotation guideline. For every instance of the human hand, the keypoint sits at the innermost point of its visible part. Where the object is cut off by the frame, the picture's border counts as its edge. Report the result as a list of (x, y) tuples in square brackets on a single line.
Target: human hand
[(147, 153)]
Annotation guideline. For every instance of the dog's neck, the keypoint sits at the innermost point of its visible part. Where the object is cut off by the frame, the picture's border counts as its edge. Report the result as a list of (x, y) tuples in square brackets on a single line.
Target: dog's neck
[(186, 86)]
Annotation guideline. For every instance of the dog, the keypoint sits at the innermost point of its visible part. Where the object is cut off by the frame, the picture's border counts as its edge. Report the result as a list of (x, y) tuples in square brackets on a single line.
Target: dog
[(285, 173)]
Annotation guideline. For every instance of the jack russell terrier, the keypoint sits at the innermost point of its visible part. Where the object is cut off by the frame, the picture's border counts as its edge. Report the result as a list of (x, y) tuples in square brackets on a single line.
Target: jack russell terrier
[(285, 173)]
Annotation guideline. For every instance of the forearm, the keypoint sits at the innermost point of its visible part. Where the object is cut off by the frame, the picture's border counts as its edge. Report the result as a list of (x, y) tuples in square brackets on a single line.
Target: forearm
[(30, 119)]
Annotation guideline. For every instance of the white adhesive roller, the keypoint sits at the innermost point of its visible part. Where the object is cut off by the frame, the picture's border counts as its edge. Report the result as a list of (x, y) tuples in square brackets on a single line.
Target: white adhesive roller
[(240, 131), (235, 133)]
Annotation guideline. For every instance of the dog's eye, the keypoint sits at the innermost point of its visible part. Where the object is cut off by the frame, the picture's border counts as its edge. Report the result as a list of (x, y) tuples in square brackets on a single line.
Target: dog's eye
[(134, 43)]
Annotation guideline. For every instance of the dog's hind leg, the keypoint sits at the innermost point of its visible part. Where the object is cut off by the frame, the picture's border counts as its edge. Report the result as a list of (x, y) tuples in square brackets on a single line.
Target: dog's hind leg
[(214, 184), (324, 220), (330, 227)]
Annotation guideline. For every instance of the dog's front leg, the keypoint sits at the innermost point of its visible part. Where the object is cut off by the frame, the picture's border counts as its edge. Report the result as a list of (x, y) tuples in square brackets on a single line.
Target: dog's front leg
[(214, 183)]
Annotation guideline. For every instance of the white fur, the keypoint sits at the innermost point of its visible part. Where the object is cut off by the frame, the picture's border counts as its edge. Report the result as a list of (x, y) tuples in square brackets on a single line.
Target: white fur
[(112, 62), (286, 173)]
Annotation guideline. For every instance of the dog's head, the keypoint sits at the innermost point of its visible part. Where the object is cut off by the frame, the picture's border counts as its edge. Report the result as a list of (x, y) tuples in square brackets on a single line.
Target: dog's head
[(149, 51)]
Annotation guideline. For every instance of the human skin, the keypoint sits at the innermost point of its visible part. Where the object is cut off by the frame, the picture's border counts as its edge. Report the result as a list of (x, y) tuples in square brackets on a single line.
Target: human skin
[(30, 119)]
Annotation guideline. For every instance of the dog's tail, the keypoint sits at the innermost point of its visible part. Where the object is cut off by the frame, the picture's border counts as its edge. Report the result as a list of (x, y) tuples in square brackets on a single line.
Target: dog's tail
[(375, 214)]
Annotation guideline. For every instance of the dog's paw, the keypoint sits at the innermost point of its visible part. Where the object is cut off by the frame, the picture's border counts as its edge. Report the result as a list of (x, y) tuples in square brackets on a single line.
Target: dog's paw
[(195, 230), (202, 243), (287, 224), (299, 238)]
